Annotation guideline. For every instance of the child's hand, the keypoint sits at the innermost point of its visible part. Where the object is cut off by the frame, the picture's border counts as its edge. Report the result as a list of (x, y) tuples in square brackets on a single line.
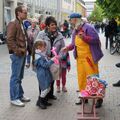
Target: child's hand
[(65, 49), (55, 59)]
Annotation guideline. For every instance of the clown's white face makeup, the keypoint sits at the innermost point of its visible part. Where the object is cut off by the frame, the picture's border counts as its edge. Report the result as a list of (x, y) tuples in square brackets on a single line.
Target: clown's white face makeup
[(73, 21), (76, 22)]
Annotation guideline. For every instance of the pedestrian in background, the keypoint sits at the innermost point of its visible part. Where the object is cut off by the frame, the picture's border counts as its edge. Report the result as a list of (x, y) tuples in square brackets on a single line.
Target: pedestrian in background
[(42, 26), (27, 23), (107, 35), (65, 28), (112, 30), (32, 34), (117, 84), (17, 45)]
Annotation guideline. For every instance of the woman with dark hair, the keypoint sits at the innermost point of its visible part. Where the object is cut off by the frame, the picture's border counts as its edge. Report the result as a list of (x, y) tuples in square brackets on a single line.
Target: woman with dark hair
[(53, 38)]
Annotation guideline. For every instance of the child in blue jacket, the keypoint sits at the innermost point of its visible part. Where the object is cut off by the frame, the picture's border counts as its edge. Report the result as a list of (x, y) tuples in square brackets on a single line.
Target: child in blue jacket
[(44, 75)]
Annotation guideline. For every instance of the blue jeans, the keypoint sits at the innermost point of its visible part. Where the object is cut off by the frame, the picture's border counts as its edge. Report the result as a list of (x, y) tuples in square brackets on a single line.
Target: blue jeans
[(28, 57), (17, 67)]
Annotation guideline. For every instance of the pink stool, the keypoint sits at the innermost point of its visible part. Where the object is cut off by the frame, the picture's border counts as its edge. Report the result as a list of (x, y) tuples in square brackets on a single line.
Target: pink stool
[(93, 109)]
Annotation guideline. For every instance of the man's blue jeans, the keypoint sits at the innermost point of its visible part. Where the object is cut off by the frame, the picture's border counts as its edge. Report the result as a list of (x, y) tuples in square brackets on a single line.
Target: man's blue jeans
[(17, 67)]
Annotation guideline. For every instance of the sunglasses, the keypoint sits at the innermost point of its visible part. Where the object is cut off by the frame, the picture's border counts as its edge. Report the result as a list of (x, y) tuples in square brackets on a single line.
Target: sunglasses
[(24, 12)]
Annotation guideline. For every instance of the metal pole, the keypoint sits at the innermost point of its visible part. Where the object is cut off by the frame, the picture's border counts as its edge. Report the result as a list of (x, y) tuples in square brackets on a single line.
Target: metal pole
[(3, 16), (59, 2)]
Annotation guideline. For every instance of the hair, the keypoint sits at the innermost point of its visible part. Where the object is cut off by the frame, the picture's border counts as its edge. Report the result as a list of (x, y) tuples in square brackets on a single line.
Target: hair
[(50, 20), (38, 43), (18, 9)]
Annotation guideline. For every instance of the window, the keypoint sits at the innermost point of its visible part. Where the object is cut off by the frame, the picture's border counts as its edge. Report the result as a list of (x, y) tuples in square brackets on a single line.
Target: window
[(68, 1)]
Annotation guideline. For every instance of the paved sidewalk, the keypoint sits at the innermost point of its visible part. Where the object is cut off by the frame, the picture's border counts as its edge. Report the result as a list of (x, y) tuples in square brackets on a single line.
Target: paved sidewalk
[(64, 107)]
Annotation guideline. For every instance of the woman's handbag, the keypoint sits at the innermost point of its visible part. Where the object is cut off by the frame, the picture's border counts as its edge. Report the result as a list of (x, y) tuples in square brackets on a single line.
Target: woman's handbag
[(55, 71)]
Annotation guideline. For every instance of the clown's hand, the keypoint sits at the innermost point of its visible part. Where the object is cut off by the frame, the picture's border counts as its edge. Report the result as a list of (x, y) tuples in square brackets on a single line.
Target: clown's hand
[(65, 49)]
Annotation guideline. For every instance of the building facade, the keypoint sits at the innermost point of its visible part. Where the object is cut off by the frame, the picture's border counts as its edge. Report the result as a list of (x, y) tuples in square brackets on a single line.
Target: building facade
[(90, 5), (1, 16), (80, 7), (60, 9), (44, 8), (36, 8), (7, 12), (68, 6)]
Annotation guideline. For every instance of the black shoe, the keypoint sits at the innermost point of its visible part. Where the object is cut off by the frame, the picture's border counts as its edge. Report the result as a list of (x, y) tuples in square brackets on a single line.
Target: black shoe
[(117, 84), (79, 103), (53, 97), (86, 100), (40, 103), (118, 65), (99, 103), (47, 103)]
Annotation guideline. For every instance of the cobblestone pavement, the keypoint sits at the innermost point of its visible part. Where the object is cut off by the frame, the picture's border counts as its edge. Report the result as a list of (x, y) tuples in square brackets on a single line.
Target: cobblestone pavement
[(64, 107)]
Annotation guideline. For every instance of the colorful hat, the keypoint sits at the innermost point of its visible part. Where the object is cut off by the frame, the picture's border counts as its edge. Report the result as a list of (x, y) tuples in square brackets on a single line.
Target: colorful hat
[(75, 15)]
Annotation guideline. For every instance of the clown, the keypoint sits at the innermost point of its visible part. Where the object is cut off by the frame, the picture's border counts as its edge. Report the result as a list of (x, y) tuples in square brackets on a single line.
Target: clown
[(87, 51)]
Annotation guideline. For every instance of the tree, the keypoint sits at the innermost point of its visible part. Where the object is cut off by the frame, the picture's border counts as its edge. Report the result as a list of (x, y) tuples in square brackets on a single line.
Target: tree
[(96, 14), (111, 8)]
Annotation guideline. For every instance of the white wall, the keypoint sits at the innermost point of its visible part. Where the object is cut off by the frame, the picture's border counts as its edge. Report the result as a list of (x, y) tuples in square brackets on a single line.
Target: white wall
[(1, 16)]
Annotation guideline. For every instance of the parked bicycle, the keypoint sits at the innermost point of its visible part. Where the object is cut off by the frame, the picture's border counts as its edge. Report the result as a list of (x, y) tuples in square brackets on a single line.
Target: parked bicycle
[(115, 46)]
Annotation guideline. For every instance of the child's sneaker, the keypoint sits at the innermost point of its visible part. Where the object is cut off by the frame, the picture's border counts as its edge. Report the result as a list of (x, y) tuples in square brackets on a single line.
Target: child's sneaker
[(58, 89), (64, 89)]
